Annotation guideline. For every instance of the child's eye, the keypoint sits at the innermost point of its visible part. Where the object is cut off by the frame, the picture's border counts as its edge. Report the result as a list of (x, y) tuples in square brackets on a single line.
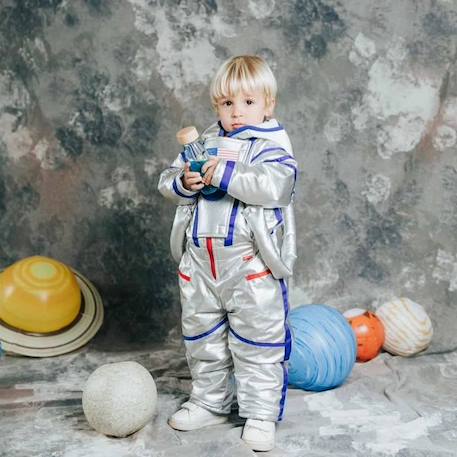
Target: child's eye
[(227, 102), (250, 102)]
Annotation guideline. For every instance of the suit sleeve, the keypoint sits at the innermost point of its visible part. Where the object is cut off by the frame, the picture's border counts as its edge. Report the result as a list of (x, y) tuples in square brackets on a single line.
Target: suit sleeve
[(268, 180), (171, 186)]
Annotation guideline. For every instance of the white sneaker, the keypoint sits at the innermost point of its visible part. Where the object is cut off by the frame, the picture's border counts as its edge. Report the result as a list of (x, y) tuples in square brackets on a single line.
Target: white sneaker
[(259, 435), (192, 417)]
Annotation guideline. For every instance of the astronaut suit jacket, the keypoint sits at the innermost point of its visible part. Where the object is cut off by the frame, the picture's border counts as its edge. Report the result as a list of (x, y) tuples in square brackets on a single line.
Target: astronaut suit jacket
[(255, 193)]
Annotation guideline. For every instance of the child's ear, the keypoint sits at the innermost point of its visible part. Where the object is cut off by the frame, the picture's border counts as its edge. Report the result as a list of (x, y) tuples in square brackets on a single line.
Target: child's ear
[(270, 107)]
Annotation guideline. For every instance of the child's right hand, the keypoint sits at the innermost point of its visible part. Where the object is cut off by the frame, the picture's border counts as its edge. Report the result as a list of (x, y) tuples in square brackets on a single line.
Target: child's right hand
[(192, 180)]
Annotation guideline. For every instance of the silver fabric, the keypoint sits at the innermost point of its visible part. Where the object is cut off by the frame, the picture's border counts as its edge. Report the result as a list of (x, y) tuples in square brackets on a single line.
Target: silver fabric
[(275, 191), (214, 216), (181, 221), (264, 184), (234, 322), (171, 187), (280, 261), (234, 255)]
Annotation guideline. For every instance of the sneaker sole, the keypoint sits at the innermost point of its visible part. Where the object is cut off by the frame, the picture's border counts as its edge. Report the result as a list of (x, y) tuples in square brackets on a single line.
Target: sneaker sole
[(260, 445), (185, 427)]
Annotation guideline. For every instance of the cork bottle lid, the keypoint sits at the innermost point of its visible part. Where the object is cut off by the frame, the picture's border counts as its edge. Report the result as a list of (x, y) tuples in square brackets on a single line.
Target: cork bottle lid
[(187, 135)]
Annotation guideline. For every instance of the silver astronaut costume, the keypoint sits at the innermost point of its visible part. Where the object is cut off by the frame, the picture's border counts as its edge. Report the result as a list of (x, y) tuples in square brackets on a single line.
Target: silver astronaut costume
[(235, 249)]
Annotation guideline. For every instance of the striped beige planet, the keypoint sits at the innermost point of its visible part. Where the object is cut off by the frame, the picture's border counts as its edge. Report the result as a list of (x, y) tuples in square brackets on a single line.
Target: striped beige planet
[(408, 328)]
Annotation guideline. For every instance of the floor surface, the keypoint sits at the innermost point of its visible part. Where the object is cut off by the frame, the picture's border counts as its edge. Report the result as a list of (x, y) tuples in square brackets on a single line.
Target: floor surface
[(391, 406)]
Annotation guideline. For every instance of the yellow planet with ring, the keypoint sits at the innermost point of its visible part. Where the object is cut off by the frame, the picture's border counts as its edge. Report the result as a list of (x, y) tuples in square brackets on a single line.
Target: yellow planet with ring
[(39, 295), (47, 308)]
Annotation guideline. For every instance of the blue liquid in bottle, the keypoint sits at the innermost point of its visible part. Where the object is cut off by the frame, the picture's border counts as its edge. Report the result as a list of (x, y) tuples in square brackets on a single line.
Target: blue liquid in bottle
[(197, 155)]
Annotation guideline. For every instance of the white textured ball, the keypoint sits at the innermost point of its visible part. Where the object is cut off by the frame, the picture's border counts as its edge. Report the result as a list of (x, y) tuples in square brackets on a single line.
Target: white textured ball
[(407, 327), (119, 398)]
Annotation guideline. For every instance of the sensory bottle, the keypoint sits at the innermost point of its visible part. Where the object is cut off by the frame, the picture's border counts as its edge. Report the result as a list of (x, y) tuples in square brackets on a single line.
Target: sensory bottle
[(195, 152)]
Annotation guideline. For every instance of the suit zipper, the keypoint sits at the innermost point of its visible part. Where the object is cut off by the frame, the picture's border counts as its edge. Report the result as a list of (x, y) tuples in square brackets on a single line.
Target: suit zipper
[(209, 246)]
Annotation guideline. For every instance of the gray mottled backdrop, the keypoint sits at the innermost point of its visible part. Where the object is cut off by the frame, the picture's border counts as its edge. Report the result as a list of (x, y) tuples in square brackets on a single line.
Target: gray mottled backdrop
[(92, 93)]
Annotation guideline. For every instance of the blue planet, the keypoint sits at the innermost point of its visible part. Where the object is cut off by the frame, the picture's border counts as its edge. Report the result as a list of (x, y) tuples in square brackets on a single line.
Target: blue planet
[(324, 348)]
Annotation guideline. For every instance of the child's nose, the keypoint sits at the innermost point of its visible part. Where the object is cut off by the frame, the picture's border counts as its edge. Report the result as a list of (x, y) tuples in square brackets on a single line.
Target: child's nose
[(237, 111)]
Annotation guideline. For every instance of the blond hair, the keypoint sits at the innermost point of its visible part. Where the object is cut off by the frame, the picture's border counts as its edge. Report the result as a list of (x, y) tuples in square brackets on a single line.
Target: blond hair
[(243, 74)]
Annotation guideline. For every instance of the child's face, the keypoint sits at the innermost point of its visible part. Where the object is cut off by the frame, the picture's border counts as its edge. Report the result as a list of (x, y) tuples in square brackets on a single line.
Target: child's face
[(243, 109)]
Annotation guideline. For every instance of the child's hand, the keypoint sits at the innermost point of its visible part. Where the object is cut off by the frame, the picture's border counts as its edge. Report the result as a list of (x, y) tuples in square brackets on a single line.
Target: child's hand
[(208, 169), (191, 180)]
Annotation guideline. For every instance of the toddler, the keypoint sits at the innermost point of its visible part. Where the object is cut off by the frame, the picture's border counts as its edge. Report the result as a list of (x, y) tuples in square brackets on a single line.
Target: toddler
[(235, 248)]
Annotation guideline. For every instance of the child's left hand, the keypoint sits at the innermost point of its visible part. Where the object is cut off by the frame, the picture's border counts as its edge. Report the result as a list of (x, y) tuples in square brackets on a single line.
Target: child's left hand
[(208, 169)]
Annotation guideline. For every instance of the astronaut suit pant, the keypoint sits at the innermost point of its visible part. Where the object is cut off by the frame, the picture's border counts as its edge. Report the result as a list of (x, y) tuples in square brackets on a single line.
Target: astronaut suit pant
[(234, 322)]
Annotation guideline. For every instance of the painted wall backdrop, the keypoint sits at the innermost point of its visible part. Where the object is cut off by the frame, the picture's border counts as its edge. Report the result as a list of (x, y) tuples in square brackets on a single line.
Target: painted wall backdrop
[(93, 91)]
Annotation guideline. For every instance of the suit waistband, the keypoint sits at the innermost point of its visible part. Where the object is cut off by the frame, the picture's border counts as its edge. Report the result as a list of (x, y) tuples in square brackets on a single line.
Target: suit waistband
[(219, 247)]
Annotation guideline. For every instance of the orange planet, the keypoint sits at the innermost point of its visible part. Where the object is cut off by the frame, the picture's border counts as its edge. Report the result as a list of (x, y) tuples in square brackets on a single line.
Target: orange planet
[(369, 332)]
